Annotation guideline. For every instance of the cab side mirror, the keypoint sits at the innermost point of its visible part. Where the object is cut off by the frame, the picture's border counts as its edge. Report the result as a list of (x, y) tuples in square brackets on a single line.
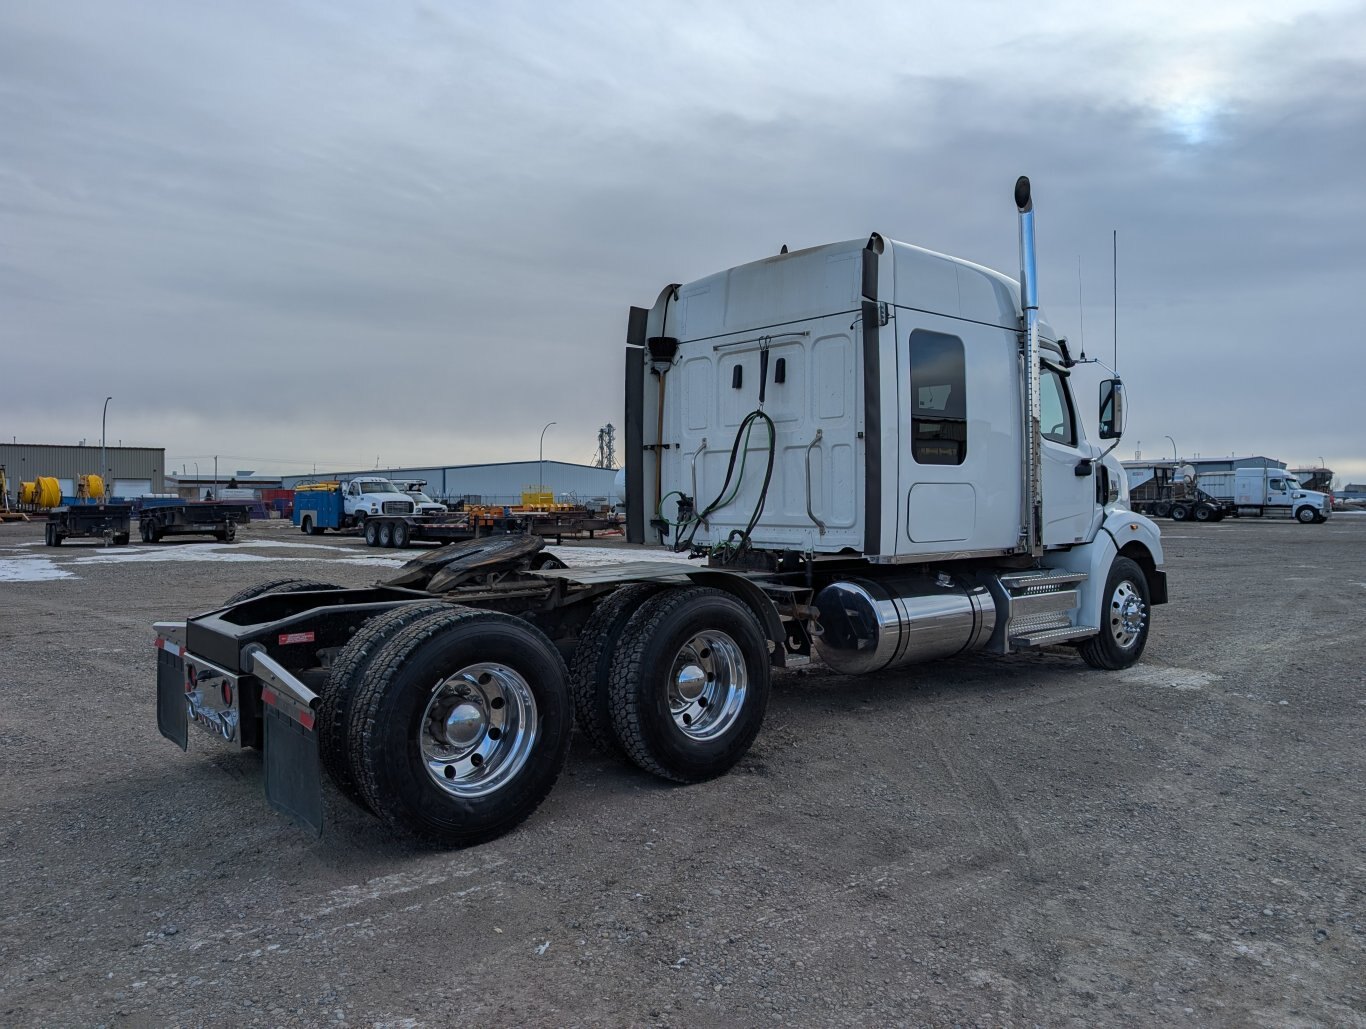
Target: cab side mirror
[(1111, 409)]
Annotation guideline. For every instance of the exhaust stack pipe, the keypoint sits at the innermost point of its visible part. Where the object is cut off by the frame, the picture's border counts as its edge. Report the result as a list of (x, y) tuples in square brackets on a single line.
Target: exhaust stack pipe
[(1031, 499)]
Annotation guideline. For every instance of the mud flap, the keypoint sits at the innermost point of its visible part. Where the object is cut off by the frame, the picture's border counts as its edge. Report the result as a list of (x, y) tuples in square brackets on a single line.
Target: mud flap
[(172, 717), (293, 779)]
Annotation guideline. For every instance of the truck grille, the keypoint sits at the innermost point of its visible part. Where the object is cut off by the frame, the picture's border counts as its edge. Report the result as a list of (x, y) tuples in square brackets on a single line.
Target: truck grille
[(398, 507)]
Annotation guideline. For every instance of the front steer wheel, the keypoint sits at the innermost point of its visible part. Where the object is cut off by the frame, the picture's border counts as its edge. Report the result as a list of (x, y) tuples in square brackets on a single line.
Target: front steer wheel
[(461, 726), (1124, 619), (689, 684)]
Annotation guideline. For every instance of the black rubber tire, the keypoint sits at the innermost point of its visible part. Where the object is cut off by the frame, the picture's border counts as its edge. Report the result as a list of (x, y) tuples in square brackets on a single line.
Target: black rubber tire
[(1180, 512), (1202, 513), (306, 525), (1306, 515), (230, 533), (1102, 650), (348, 671), (121, 539), (638, 686), (1162, 509), (591, 669), (386, 534), (278, 586), (50, 535), (371, 531), (389, 703), (401, 535)]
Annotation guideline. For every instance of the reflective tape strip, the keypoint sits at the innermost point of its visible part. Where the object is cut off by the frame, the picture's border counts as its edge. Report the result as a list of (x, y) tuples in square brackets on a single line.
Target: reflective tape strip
[(296, 637), (170, 646), (294, 712)]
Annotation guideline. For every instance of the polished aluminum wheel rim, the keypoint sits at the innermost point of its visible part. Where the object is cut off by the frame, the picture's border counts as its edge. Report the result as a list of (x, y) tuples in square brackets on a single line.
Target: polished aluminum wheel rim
[(478, 730), (1127, 615), (707, 685)]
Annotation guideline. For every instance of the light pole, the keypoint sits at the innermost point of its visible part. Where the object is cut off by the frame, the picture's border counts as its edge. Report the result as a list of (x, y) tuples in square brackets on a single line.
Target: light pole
[(541, 472), (104, 467), (1175, 459), (198, 483)]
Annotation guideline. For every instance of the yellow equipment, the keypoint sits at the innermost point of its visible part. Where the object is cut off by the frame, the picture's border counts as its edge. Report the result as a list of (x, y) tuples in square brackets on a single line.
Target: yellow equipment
[(91, 486), (326, 487), (49, 491), (28, 493)]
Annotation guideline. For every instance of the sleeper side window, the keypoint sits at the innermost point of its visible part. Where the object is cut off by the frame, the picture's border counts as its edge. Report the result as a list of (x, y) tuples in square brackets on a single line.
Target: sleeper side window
[(939, 409), (1055, 410)]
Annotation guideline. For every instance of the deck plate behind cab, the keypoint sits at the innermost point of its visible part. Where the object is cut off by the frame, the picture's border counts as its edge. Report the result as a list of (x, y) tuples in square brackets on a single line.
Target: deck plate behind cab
[(630, 571)]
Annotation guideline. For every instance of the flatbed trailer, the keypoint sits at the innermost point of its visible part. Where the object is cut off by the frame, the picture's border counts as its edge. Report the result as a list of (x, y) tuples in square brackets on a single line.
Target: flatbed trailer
[(108, 522), (401, 531), (192, 518)]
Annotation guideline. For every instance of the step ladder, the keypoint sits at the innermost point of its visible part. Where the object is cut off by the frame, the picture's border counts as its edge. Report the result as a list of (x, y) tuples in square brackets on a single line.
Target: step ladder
[(1040, 607)]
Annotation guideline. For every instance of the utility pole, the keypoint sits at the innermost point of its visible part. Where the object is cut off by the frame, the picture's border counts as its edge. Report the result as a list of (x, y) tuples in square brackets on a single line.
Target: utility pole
[(104, 465), (540, 486)]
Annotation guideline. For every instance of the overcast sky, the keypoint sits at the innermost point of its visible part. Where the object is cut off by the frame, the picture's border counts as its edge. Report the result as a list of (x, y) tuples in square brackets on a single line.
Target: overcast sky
[(288, 233)]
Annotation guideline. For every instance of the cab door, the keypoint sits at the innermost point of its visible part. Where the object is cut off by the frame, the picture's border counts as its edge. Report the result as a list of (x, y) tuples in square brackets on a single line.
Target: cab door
[(1070, 510), (1278, 492)]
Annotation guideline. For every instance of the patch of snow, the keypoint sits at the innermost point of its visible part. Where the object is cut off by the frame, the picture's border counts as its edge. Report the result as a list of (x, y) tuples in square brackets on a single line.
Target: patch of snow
[(31, 569)]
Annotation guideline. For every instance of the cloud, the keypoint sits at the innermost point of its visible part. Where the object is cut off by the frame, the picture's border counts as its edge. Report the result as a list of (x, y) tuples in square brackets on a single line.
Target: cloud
[(320, 232)]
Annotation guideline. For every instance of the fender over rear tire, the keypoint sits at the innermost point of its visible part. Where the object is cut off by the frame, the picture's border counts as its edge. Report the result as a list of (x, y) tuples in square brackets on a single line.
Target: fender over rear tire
[(689, 684), (1125, 617), (591, 670), (462, 726), (278, 586), (348, 671)]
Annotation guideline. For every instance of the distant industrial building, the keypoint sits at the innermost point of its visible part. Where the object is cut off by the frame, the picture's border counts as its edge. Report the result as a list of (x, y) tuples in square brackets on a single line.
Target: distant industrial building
[(132, 471), (493, 484)]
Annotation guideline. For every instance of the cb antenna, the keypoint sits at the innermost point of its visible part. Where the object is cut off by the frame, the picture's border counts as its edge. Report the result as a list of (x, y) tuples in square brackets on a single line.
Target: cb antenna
[(1081, 313)]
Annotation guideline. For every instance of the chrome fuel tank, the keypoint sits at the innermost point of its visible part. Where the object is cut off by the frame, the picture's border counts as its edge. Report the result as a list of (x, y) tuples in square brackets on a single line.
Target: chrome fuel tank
[(868, 625)]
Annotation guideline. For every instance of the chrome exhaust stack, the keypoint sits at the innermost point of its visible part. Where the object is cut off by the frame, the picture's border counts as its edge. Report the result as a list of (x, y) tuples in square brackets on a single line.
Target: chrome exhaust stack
[(1031, 497)]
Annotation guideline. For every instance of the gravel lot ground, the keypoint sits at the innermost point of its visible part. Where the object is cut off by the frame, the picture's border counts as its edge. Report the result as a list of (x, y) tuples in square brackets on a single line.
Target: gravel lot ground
[(980, 841)]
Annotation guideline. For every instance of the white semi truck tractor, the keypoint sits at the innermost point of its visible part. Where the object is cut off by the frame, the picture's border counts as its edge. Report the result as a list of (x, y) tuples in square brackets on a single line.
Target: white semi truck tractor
[(871, 453)]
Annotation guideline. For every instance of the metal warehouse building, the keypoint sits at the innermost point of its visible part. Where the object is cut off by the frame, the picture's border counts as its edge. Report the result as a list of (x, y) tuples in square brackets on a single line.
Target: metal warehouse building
[(494, 483), (133, 471)]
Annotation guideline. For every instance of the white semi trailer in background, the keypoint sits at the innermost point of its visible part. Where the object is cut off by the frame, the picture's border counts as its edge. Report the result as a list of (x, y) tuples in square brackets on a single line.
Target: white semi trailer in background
[(873, 454)]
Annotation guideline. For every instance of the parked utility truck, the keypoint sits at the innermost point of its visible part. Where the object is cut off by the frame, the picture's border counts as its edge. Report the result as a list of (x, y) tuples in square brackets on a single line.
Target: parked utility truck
[(1262, 492), (347, 503), (873, 453)]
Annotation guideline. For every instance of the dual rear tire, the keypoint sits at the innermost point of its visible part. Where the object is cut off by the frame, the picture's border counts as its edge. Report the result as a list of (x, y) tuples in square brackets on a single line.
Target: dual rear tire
[(676, 680)]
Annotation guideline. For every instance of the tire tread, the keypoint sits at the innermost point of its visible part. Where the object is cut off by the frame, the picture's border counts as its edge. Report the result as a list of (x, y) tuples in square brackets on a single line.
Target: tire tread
[(363, 723)]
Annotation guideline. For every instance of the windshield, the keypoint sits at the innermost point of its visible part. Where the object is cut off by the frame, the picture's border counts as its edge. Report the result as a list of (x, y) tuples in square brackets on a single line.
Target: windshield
[(1293, 482), (377, 486), (421, 497)]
